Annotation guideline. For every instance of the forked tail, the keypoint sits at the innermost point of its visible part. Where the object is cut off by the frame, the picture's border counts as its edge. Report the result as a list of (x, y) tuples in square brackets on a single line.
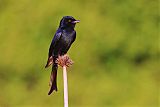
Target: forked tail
[(53, 78)]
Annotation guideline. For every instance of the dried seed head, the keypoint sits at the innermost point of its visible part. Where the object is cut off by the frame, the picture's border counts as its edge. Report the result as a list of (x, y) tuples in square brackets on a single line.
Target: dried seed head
[(64, 61)]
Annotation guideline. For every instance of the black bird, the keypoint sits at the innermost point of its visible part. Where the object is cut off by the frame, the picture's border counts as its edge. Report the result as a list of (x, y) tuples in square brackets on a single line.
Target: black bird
[(62, 41)]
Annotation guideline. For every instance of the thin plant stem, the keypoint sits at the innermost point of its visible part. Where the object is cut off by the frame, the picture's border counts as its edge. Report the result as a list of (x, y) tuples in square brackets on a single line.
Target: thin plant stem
[(65, 86)]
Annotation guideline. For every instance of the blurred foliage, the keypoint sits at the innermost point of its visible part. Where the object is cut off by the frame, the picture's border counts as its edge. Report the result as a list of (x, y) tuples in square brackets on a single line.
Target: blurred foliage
[(116, 53)]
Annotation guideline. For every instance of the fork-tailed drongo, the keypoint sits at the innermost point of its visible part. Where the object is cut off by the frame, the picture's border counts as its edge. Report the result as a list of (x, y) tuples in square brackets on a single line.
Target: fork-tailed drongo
[(62, 40)]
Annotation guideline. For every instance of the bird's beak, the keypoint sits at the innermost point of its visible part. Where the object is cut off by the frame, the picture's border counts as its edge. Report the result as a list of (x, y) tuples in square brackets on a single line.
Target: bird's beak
[(76, 21)]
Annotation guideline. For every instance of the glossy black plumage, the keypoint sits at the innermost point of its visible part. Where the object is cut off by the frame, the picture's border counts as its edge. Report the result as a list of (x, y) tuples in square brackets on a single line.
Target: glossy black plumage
[(62, 41)]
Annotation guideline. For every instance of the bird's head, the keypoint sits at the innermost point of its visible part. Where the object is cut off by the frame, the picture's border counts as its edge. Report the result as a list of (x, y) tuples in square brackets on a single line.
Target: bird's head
[(68, 22)]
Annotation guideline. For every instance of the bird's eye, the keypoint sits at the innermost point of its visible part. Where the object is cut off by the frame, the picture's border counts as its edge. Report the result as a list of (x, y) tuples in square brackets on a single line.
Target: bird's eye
[(69, 20)]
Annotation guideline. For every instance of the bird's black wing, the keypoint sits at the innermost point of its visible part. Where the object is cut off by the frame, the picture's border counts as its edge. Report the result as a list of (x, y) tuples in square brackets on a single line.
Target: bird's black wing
[(52, 46), (54, 42)]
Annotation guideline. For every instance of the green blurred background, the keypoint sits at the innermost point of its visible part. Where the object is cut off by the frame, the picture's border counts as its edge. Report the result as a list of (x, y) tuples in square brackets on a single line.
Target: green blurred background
[(115, 54)]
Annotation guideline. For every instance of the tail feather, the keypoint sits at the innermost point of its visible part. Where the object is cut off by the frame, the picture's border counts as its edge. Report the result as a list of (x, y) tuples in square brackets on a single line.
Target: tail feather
[(53, 79)]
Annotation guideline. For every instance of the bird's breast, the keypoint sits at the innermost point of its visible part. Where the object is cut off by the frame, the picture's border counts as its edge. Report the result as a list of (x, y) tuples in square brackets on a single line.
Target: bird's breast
[(67, 38)]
